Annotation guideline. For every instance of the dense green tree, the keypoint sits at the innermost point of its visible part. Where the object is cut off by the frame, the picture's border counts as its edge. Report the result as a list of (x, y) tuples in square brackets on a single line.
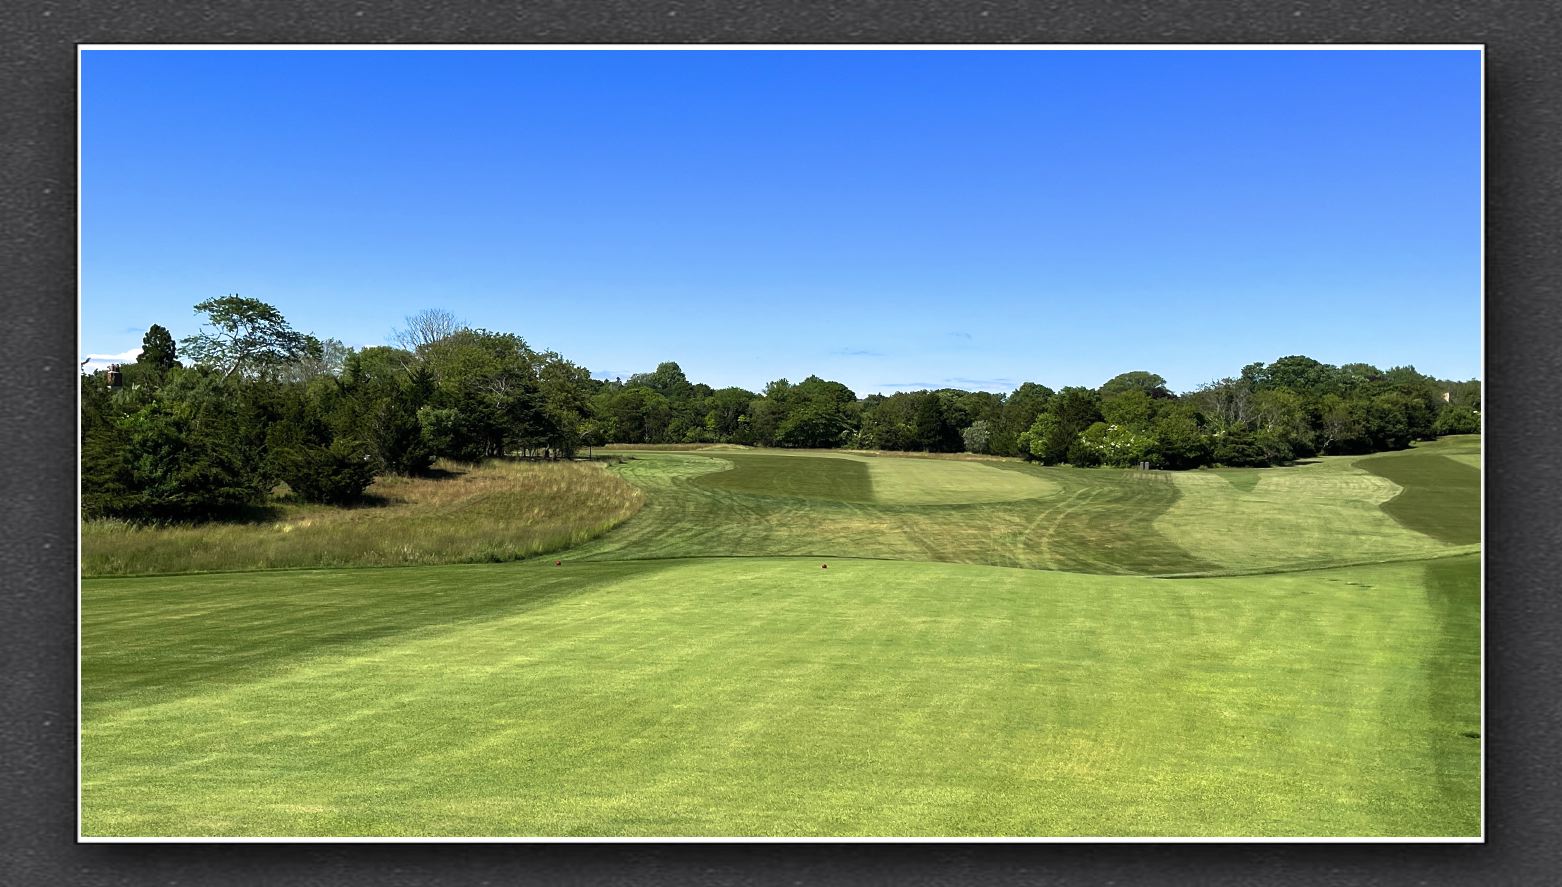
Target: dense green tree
[(1149, 384), (1238, 448), (930, 430), (566, 402), (1017, 414), (635, 414), (812, 424), (381, 391), (667, 380), (1285, 415), (1387, 422), (1298, 373), (1069, 412), (158, 350), (335, 473), (727, 408), (1342, 426), (1179, 441), (243, 336), (181, 454), (1130, 408), (320, 357), (491, 381), (1457, 420)]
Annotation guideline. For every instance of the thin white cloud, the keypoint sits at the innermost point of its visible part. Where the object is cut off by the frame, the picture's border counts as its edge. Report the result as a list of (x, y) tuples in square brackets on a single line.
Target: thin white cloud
[(102, 361)]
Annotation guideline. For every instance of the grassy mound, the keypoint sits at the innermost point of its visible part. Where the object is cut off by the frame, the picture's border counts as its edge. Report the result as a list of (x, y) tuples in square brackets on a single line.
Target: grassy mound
[(497, 511)]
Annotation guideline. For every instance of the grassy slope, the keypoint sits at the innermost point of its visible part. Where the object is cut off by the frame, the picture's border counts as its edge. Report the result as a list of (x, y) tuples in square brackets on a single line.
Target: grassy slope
[(1326, 513), (1333, 510), (618, 695), (1434, 486), (498, 511), (768, 696), (1095, 521)]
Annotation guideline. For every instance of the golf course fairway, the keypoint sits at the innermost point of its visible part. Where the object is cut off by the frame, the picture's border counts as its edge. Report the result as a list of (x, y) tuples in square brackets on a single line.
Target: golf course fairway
[(797, 644)]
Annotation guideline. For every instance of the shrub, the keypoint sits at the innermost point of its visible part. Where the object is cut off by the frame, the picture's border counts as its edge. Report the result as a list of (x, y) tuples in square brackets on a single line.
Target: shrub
[(977, 437), (157, 464), (335, 475), (1239, 449), (1114, 445)]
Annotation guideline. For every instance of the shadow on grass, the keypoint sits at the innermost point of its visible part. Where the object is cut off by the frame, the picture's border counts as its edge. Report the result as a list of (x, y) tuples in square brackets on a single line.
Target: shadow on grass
[(257, 623)]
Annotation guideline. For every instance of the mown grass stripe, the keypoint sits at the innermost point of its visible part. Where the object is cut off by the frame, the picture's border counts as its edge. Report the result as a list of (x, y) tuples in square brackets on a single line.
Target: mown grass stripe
[(806, 477), (1441, 497)]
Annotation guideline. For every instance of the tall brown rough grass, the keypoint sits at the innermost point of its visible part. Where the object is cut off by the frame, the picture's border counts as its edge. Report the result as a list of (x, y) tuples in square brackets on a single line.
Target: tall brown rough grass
[(498, 511)]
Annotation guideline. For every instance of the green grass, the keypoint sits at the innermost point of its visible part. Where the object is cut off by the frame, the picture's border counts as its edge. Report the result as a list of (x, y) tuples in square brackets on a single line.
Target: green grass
[(693, 671), (822, 477), (1441, 496), (768, 696), (1096, 521), (846, 477), (493, 512), (1329, 511), (929, 482)]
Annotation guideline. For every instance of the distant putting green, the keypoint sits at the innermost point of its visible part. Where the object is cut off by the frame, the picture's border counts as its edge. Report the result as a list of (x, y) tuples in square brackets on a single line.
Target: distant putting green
[(943, 482), (772, 697)]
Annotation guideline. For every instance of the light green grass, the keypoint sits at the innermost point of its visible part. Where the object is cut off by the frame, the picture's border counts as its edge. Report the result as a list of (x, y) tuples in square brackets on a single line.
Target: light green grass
[(772, 697), (1332, 510), (931, 482)]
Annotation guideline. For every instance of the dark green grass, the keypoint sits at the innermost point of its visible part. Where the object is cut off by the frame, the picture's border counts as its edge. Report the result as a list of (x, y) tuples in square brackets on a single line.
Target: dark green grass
[(1453, 663), (1244, 479), (808, 477), (1441, 497), (755, 696)]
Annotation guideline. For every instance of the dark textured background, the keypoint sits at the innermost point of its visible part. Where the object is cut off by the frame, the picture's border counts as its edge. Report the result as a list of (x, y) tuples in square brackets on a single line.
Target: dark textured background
[(37, 474)]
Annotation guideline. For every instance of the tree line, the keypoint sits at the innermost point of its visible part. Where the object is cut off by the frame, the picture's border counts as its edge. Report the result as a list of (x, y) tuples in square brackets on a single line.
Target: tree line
[(226, 417)]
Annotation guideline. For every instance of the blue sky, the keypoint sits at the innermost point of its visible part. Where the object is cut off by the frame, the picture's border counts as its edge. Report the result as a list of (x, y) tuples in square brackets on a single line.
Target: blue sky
[(890, 219)]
